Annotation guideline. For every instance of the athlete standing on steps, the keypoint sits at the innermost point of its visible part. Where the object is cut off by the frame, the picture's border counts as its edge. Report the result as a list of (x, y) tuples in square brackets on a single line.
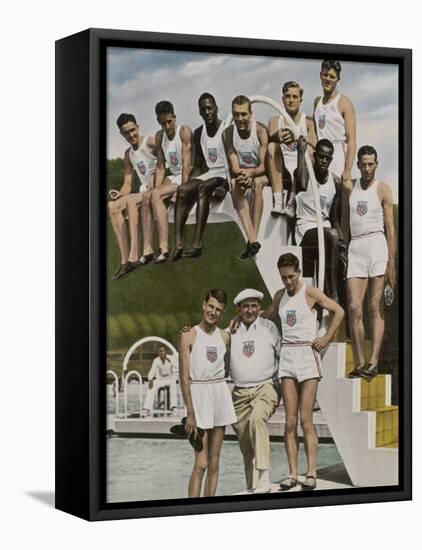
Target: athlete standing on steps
[(371, 258), (300, 362)]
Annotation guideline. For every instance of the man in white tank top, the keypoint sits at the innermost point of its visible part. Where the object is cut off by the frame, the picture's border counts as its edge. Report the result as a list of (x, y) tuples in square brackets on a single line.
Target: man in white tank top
[(335, 120), (124, 203), (174, 152), (254, 355), (300, 363), (371, 258), (208, 180), (209, 406), (246, 143), (306, 233), (282, 148)]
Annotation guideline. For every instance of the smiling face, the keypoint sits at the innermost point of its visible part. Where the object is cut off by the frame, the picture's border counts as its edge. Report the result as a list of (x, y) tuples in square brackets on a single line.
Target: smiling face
[(290, 278), (248, 310), (167, 121), (208, 111), (367, 166), (292, 100), (130, 131), (329, 80), (242, 116), (212, 310)]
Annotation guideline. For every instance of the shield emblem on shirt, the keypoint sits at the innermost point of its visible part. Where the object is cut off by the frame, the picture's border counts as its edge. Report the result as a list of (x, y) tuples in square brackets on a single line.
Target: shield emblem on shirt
[(323, 201), (141, 167), (211, 354), (174, 161), (291, 317), (321, 121), (212, 154), (362, 208), (248, 348), (247, 157)]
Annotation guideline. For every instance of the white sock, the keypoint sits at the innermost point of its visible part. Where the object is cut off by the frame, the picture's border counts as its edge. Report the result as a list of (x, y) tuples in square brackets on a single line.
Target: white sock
[(264, 476), (277, 198)]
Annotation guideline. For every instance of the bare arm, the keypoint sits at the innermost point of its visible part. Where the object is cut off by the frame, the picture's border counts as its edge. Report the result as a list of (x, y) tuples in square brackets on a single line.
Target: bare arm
[(186, 137), (311, 138), (126, 186), (199, 164), (335, 212), (386, 197), (186, 341), (315, 296), (160, 170), (272, 311), (348, 113), (302, 176), (231, 154)]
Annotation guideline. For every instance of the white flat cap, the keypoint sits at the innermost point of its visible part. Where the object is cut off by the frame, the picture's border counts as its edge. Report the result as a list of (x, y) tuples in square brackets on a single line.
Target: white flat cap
[(247, 294)]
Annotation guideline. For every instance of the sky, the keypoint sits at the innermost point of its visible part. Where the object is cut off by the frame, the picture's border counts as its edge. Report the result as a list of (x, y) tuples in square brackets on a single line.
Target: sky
[(138, 78)]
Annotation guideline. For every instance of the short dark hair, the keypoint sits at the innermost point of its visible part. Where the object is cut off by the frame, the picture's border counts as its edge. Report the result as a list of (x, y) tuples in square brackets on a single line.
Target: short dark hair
[(240, 100), (164, 107), (367, 150), (328, 64), (124, 118), (288, 259), (207, 95), (218, 294), (292, 84), (324, 143)]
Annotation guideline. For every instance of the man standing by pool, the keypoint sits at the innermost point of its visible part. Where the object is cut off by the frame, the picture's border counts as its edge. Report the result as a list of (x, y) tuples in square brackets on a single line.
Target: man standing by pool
[(254, 354), (300, 362), (202, 356)]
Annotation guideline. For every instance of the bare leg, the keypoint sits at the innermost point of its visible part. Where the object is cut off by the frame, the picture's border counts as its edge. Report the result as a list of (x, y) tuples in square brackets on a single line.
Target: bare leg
[(215, 442), (147, 222), (356, 289), (290, 393), (331, 245), (205, 191), (134, 201), (186, 196), (307, 394), (257, 205), (376, 315), (242, 207), (116, 211), (275, 163), (199, 468), (159, 194)]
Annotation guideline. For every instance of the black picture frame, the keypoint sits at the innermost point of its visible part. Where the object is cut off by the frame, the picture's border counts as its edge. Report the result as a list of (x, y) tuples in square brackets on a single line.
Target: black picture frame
[(80, 280)]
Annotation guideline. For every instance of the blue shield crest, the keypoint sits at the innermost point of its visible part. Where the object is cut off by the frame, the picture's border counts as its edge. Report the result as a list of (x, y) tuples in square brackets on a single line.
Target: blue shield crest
[(247, 157), (248, 348), (141, 167), (362, 208), (323, 201), (211, 354), (291, 317), (212, 154), (321, 121), (174, 161)]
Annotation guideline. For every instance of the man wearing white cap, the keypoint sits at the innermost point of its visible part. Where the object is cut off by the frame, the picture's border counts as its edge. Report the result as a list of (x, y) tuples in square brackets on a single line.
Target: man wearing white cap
[(254, 353)]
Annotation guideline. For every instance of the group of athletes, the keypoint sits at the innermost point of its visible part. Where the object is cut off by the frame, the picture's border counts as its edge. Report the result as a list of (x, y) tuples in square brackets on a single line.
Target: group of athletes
[(357, 215)]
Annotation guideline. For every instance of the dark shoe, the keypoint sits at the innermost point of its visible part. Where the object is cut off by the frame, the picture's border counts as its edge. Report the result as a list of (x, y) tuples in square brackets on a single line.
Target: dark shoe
[(123, 270), (194, 252), (245, 253), (177, 254), (196, 442), (254, 249), (146, 259), (370, 371), (309, 484), (288, 483), (357, 372), (161, 257)]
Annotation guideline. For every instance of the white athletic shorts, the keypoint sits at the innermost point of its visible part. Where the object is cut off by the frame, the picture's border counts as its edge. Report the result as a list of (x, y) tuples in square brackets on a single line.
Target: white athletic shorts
[(302, 226), (367, 256), (213, 404), (174, 179), (339, 158), (216, 173), (300, 362)]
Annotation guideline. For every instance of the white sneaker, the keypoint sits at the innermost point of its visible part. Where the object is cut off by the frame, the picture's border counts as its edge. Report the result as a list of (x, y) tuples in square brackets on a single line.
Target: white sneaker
[(277, 209), (290, 209), (264, 484)]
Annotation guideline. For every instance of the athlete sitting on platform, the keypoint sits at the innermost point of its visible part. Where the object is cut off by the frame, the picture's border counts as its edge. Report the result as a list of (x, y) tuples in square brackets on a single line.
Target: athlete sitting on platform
[(246, 144)]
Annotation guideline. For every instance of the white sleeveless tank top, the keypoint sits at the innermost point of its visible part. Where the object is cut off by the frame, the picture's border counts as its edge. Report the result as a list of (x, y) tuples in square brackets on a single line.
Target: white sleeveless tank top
[(144, 164), (298, 322), (247, 149), (329, 122), (290, 150), (207, 355), (366, 212), (213, 150), (305, 204), (173, 152)]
